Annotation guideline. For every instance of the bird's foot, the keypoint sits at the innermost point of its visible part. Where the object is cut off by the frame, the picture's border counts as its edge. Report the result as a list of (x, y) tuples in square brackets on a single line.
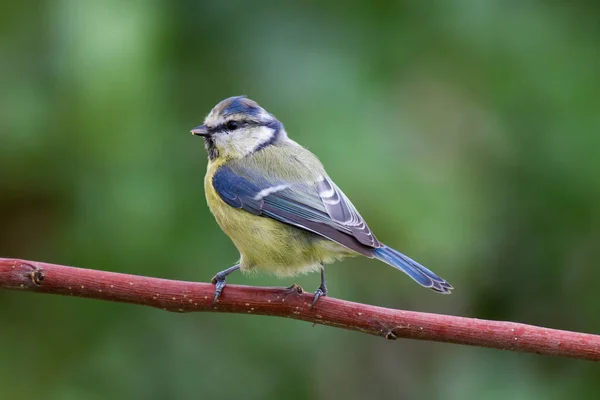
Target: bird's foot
[(320, 292), (219, 281)]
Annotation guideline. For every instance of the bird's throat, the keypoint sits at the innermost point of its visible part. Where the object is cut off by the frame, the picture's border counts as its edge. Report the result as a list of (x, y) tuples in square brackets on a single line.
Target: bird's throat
[(211, 148)]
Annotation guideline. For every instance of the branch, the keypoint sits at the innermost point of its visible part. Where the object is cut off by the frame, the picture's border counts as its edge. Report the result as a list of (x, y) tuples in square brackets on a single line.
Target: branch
[(179, 296)]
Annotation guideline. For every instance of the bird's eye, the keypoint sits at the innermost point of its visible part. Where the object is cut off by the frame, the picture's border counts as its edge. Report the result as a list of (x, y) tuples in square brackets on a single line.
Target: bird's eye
[(232, 125)]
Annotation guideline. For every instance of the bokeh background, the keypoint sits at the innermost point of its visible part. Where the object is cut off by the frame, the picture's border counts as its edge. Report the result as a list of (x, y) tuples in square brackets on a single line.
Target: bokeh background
[(466, 132)]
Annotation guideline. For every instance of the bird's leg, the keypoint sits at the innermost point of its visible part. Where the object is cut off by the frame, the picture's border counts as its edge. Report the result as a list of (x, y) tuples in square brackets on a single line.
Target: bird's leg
[(219, 281), (322, 290)]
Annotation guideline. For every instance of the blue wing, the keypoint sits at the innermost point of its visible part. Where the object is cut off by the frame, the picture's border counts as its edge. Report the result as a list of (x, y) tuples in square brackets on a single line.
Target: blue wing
[(318, 207)]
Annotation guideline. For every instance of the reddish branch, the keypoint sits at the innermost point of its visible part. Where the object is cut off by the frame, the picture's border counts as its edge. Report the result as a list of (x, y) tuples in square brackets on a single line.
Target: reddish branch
[(179, 296)]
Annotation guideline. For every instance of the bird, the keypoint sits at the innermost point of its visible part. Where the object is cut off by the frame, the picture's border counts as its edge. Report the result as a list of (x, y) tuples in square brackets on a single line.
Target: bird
[(278, 205)]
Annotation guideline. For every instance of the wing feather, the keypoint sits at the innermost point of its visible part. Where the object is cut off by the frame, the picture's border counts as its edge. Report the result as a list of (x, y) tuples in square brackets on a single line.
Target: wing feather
[(342, 211)]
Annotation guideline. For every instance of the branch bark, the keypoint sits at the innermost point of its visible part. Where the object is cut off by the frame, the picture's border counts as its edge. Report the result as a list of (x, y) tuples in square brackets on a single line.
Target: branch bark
[(179, 296)]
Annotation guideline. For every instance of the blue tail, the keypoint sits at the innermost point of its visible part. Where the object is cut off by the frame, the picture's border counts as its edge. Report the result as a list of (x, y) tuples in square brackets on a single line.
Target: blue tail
[(419, 273)]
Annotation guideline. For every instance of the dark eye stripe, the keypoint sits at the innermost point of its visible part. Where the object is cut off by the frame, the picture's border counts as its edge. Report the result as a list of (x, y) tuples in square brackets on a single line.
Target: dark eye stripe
[(241, 123)]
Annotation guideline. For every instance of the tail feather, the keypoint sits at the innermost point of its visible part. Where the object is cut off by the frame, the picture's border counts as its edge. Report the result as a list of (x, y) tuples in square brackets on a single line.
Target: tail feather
[(419, 273)]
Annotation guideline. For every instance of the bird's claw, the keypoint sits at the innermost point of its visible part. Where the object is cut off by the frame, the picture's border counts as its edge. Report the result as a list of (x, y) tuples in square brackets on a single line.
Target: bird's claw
[(219, 283), (320, 292)]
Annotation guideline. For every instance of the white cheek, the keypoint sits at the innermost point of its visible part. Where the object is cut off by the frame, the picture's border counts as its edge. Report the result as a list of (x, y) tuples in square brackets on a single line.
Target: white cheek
[(248, 140), (222, 140), (243, 141), (263, 134), (230, 143)]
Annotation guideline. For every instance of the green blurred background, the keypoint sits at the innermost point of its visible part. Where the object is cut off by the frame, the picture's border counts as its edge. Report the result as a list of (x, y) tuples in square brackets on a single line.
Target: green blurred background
[(466, 132)]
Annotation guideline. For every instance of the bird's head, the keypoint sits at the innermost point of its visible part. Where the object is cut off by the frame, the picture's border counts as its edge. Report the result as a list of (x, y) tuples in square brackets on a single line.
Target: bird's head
[(237, 127)]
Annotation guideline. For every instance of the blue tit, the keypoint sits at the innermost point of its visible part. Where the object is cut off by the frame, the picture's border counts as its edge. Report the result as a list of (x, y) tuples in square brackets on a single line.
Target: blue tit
[(275, 201)]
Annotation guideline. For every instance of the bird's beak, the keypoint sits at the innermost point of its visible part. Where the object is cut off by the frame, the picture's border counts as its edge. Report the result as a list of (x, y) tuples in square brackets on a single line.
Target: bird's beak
[(201, 130)]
